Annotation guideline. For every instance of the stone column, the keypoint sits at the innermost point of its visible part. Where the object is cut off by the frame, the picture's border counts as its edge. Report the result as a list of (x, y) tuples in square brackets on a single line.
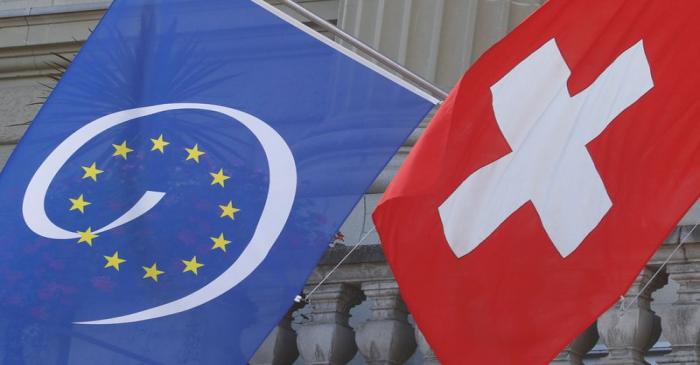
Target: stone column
[(429, 357), (386, 338), (327, 339), (630, 334), (681, 322), (280, 346), (578, 348)]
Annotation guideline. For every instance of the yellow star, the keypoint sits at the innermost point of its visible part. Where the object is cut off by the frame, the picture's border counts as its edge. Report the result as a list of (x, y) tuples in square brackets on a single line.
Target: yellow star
[(114, 261), (152, 272), (220, 242), (159, 144), (194, 153), (228, 210), (219, 177), (192, 265), (87, 236), (91, 172), (79, 204), (121, 150)]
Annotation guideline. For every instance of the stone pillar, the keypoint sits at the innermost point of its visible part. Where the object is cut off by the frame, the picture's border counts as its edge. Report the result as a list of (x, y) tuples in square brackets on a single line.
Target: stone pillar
[(429, 357), (630, 334), (280, 346), (681, 322), (386, 338), (578, 348), (327, 339)]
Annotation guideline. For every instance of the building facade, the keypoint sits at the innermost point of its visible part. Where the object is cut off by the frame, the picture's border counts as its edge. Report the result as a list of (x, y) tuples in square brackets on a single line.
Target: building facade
[(357, 316)]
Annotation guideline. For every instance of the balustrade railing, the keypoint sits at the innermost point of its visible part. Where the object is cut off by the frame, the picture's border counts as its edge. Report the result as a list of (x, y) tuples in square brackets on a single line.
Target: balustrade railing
[(323, 333)]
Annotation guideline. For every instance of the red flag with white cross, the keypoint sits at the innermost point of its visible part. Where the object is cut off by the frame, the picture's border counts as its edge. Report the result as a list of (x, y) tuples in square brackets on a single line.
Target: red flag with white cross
[(551, 174)]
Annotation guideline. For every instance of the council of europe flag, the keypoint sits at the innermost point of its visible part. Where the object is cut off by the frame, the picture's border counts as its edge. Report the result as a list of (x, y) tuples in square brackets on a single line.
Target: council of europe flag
[(181, 182)]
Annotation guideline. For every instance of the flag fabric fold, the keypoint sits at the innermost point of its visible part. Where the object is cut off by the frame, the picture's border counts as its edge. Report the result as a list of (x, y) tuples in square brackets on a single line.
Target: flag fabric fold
[(553, 171), (173, 194)]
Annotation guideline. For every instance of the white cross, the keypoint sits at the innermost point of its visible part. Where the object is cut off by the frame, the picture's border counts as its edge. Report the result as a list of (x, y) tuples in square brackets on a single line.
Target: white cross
[(547, 131)]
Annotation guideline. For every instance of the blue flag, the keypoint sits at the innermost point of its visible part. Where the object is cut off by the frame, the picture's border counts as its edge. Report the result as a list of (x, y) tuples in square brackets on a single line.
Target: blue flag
[(182, 181)]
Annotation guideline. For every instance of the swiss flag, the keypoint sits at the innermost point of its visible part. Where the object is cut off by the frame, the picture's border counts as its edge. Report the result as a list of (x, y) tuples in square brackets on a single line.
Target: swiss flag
[(548, 178)]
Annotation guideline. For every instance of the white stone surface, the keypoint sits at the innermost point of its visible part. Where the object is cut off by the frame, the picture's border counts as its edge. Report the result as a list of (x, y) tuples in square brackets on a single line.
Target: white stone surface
[(27, 4), (438, 39)]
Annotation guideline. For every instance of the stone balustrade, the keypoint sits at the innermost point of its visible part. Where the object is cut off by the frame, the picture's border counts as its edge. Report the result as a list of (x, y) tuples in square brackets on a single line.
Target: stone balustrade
[(321, 332)]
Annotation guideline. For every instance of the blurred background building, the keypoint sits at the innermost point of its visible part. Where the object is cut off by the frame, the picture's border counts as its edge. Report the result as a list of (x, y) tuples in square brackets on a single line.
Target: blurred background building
[(357, 316)]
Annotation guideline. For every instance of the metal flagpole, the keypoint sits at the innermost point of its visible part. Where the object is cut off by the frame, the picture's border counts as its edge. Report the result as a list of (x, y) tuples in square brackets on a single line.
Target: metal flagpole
[(384, 60)]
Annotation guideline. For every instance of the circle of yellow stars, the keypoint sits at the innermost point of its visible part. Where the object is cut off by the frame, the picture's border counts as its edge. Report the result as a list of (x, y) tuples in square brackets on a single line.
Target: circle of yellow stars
[(160, 145)]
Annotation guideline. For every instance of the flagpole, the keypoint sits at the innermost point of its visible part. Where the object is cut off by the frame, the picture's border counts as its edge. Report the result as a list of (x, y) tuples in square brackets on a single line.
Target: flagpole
[(384, 60)]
